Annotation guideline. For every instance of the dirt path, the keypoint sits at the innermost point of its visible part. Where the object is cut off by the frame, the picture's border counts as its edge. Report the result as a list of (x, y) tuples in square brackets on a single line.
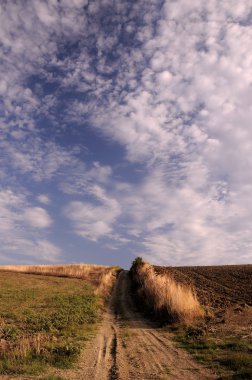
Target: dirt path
[(128, 347)]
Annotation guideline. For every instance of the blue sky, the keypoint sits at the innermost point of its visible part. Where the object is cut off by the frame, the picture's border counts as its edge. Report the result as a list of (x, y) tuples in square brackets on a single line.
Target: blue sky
[(125, 130)]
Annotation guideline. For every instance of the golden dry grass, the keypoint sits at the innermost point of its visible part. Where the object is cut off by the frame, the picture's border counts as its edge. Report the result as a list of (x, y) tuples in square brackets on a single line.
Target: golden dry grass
[(165, 295), (100, 276), (22, 347), (65, 270)]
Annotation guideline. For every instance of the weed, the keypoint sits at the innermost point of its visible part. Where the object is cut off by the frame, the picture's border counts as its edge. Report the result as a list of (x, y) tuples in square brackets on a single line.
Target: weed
[(237, 361), (195, 332), (64, 355), (8, 332)]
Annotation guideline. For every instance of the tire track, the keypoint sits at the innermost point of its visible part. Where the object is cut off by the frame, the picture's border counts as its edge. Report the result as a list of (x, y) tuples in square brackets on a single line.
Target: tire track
[(113, 372)]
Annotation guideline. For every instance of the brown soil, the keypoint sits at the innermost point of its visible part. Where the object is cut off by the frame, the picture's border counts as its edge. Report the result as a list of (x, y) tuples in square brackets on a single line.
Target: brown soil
[(226, 293), (128, 347), (216, 286)]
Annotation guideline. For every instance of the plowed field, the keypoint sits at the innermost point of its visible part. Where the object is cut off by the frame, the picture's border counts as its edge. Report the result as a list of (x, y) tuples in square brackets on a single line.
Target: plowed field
[(216, 286)]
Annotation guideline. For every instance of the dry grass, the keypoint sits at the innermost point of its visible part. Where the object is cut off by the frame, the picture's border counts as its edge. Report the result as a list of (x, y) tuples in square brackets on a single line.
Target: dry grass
[(100, 276), (66, 270), (24, 345), (106, 282), (165, 296)]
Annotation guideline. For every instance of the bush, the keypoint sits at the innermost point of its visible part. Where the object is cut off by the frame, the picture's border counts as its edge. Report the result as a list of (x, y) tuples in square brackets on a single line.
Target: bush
[(64, 355), (138, 262), (163, 296)]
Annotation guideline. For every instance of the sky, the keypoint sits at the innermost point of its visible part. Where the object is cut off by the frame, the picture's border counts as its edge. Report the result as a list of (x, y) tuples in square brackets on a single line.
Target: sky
[(125, 130)]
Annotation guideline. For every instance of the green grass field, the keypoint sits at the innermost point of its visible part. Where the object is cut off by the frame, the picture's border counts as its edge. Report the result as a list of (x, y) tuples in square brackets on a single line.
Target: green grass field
[(44, 321)]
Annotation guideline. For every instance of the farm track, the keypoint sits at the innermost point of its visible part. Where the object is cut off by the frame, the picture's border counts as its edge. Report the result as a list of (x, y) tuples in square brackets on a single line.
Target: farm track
[(128, 347)]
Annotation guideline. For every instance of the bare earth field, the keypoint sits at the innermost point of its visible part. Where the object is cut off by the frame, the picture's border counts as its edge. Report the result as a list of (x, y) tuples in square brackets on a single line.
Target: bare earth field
[(217, 287)]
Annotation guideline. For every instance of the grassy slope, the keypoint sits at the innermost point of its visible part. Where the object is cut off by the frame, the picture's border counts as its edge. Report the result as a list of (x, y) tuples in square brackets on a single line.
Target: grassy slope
[(44, 321)]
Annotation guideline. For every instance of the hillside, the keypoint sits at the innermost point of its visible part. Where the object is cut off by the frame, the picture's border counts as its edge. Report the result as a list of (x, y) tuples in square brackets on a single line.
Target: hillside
[(47, 313), (99, 277)]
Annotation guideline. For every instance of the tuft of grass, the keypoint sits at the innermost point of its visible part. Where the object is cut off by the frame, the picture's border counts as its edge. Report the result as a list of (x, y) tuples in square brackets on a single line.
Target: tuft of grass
[(239, 362), (50, 320), (163, 295), (107, 281)]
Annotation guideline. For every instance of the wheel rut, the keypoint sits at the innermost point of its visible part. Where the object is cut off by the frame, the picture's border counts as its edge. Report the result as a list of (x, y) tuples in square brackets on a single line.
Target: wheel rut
[(113, 372)]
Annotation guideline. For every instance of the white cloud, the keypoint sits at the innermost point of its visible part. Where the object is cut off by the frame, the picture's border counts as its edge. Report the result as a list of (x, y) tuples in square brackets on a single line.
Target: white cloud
[(93, 221), (189, 117), (43, 198), (39, 159), (20, 229), (80, 178), (47, 251), (37, 217), (174, 90), (187, 121)]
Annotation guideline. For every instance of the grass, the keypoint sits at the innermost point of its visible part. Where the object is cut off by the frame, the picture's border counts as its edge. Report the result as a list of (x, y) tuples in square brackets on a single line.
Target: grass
[(230, 357), (44, 321), (163, 295), (66, 270), (99, 276)]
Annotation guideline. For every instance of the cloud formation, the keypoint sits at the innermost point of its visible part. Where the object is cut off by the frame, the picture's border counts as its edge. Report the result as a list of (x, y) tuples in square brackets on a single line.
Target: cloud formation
[(43, 198), (37, 217), (20, 226), (93, 221), (170, 83)]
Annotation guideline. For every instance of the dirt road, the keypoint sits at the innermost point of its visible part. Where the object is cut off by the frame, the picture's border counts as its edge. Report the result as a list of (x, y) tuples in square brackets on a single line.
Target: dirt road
[(128, 347)]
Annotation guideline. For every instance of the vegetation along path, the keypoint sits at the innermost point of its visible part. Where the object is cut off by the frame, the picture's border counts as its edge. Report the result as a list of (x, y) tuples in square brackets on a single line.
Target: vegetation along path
[(128, 347)]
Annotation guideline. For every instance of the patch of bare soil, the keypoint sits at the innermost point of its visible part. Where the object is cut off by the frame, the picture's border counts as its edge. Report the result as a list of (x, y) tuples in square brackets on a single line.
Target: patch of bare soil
[(128, 347)]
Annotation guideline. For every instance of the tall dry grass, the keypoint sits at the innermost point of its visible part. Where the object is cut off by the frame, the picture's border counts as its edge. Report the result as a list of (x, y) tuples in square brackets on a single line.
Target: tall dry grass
[(100, 276), (25, 345), (165, 296), (106, 283), (65, 270)]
